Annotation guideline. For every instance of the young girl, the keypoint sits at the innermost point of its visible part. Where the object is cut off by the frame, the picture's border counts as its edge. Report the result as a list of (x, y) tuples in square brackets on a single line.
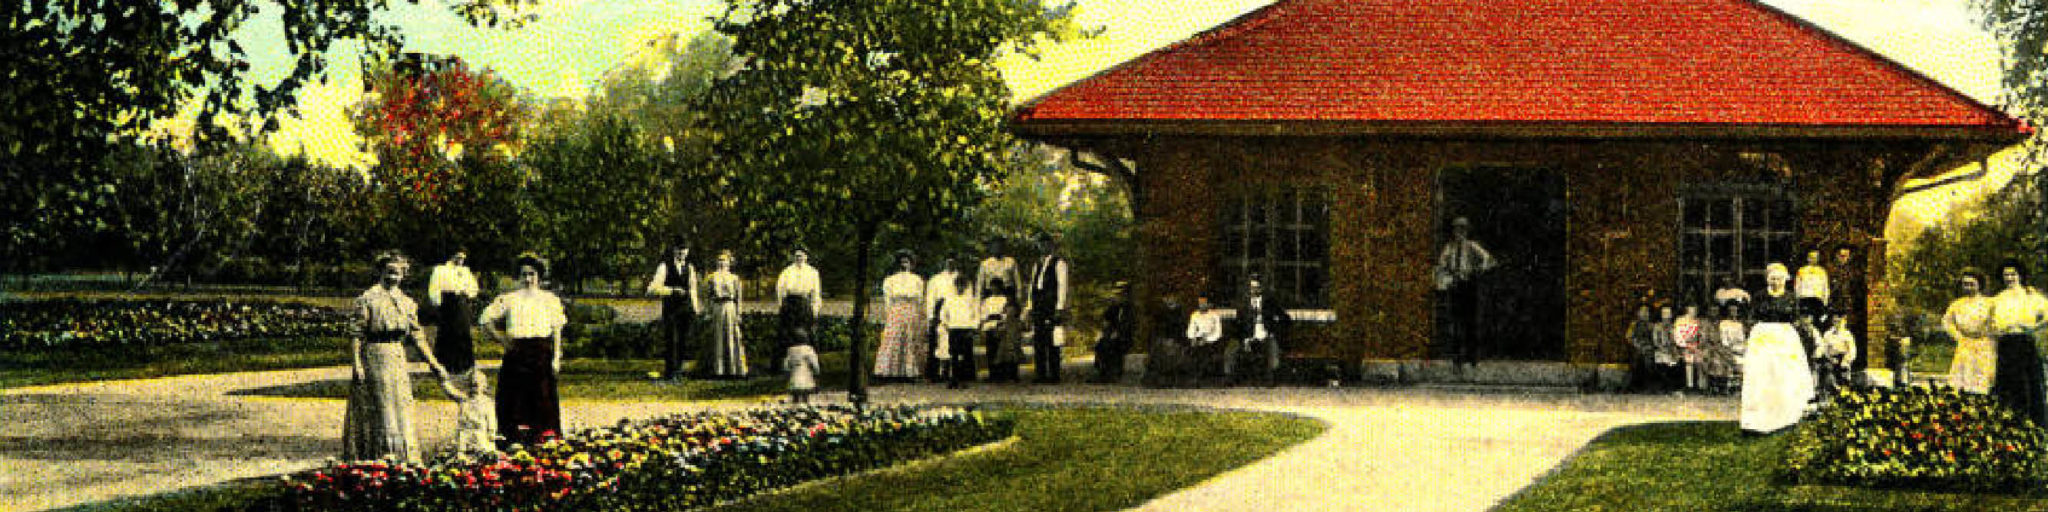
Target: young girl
[(1685, 337), (1728, 353), (802, 365)]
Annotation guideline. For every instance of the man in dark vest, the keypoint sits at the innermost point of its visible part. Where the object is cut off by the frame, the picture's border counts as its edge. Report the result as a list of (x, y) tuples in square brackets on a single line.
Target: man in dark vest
[(1261, 327), (675, 281), (1048, 311)]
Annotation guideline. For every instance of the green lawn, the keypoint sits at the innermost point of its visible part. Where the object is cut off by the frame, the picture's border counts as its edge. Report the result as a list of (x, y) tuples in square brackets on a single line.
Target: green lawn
[(602, 379), (1065, 459), (19, 369), (1710, 466)]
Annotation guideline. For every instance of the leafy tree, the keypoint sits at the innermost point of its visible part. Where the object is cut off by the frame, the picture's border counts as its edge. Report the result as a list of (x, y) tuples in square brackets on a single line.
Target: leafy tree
[(84, 77), (592, 196), (444, 135), (851, 116)]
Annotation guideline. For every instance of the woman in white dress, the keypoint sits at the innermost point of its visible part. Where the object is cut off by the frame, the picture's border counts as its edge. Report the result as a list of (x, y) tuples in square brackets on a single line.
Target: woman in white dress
[(727, 355), (1776, 380), (378, 421), (900, 355), (1968, 322)]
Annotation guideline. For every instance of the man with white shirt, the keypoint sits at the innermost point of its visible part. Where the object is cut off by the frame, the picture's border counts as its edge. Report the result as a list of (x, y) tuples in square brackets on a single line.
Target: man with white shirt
[(675, 281), (1048, 311), (936, 289), (452, 290), (1458, 269), (798, 291), (1205, 328), (1261, 325)]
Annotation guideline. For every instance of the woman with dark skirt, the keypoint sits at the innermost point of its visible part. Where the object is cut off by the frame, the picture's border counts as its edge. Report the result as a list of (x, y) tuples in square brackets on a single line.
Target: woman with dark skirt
[(2017, 313), (529, 407)]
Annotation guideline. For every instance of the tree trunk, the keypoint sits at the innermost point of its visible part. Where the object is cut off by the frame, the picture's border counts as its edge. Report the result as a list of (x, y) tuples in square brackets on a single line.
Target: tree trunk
[(856, 351)]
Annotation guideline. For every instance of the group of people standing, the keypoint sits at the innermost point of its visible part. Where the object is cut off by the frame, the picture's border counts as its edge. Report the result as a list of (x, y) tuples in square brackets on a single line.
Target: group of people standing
[(1785, 348), (1994, 335), (930, 324), (528, 321)]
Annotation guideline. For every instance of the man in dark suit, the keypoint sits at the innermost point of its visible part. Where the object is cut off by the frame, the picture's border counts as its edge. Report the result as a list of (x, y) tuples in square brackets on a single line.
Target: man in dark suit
[(1048, 311), (1261, 327)]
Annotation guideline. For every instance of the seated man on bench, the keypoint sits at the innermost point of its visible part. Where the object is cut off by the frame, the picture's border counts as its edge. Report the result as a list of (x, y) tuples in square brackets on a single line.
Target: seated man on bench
[(1261, 325)]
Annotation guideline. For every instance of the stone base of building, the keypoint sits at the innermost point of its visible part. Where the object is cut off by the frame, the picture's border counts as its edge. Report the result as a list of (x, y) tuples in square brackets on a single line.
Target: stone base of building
[(1597, 377)]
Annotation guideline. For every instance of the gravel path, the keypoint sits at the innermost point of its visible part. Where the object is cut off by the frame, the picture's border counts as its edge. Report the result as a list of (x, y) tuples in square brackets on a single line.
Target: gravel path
[(1386, 449)]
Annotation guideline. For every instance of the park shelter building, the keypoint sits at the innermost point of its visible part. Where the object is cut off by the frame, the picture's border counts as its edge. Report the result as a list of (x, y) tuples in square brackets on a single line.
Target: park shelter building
[(1602, 150)]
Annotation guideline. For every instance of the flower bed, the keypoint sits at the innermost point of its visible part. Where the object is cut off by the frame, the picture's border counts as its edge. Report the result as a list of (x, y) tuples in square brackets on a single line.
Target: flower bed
[(124, 324), (1917, 438), (672, 463)]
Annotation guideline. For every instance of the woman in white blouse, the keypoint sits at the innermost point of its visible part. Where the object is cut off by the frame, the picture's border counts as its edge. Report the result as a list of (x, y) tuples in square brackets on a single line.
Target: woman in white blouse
[(2018, 312), (529, 408), (959, 314), (900, 355), (727, 356), (1968, 322)]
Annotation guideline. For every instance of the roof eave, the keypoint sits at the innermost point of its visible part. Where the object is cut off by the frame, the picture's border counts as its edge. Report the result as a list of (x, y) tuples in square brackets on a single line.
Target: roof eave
[(1040, 129)]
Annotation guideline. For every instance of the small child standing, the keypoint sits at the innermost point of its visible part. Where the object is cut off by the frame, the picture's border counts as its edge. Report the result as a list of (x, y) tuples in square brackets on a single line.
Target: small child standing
[(802, 365), (1833, 355), (476, 420)]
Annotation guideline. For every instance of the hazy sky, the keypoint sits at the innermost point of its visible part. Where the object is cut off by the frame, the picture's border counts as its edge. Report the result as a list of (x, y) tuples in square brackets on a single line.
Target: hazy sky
[(575, 41)]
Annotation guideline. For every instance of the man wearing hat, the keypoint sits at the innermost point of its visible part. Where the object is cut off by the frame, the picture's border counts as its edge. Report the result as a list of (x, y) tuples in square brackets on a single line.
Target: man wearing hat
[(1458, 270), (675, 281), (1048, 310)]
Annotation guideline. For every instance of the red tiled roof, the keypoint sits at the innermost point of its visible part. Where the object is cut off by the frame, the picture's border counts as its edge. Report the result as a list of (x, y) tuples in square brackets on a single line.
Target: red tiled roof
[(1654, 62)]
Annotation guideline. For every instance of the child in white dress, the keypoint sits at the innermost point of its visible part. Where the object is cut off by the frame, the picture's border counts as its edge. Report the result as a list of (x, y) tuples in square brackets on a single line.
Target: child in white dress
[(802, 365)]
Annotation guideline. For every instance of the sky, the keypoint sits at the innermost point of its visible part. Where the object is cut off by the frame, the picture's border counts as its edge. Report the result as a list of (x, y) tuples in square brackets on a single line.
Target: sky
[(574, 42)]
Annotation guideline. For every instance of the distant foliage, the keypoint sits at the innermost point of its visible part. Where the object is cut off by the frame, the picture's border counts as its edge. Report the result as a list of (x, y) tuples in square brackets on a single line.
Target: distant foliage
[(132, 325), (1918, 438), (2009, 224)]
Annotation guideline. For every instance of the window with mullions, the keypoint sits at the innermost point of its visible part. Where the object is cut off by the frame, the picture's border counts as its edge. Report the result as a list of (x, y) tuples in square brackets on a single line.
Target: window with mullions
[(1282, 234), (1733, 231)]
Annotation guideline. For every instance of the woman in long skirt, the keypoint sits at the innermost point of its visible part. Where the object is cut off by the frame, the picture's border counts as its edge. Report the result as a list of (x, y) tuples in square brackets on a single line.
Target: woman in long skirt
[(900, 355), (529, 407), (378, 420), (1968, 321), (1002, 330), (727, 355), (1776, 380), (2016, 314)]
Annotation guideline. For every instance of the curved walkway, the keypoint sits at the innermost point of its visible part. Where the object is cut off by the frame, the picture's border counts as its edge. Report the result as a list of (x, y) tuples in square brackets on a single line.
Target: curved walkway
[(1386, 449)]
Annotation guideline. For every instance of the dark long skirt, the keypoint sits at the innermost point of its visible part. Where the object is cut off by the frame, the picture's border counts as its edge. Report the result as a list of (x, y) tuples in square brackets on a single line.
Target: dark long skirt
[(529, 407), (960, 342), (453, 345), (2019, 379)]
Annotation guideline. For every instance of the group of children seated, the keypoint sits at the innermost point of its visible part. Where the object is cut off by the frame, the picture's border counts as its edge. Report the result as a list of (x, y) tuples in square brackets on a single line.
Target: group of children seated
[(1689, 352)]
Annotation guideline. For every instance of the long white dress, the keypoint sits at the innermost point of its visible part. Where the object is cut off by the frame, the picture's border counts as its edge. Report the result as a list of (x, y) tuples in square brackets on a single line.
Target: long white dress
[(902, 350), (1776, 380)]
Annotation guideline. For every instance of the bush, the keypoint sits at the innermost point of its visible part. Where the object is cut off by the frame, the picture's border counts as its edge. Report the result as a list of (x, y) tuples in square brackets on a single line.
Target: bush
[(1922, 438), (75, 324), (672, 463)]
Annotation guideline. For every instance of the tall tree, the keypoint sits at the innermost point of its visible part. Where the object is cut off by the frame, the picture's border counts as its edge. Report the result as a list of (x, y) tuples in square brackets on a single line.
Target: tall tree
[(851, 116), (81, 76)]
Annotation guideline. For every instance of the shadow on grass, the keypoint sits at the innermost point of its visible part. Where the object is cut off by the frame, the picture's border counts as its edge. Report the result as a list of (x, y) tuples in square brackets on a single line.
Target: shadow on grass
[(1711, 466), (595, 379)]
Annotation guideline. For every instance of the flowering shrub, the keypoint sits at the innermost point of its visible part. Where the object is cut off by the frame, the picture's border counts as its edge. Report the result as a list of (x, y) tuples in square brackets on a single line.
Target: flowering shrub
[(1917, 437), (122, 324), (671, 463)]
